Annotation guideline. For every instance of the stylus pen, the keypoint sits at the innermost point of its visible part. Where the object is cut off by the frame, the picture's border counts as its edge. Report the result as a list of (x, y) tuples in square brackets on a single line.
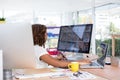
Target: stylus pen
[(63, 56)]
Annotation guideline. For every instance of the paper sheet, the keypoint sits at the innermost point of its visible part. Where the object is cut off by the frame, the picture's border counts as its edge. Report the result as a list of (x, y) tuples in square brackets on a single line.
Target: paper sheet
[(84, 75)]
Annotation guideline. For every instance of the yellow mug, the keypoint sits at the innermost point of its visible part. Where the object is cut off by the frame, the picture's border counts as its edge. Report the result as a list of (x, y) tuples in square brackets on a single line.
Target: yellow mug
[(74, 66)]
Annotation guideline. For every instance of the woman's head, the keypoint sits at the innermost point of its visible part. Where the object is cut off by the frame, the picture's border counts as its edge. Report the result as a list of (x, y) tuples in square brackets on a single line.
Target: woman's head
[(39, 34)]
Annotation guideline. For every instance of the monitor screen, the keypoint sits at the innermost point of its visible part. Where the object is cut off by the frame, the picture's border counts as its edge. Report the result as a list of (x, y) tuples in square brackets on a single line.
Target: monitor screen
[(75, 38)]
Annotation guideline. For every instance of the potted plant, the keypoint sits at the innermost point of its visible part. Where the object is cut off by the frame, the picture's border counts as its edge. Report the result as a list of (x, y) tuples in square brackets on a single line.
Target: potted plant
[(2, 20)]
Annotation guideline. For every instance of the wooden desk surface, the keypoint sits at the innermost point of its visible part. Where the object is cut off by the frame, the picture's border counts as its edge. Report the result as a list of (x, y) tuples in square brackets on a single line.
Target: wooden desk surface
[(38, 71), (109, 72)]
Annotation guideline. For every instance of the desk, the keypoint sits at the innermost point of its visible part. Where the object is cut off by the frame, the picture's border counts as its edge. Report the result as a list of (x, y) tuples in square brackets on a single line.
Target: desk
[(46, 70), (108, 73)]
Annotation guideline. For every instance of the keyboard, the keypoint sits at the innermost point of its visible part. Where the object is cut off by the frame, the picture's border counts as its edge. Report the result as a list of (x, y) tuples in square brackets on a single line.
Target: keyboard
[(50, 74), (92, 65)]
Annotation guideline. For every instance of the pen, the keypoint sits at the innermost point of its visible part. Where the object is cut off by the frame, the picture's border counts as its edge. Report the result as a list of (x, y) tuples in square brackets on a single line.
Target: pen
[(56, 76), (63, 56), (77, 74)]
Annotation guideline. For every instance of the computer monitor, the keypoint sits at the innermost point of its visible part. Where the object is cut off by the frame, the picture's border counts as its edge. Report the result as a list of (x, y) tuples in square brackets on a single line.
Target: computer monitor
[(75, 38), (16, 42)]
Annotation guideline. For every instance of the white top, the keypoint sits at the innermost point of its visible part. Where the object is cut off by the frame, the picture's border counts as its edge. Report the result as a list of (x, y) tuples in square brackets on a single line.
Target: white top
[(39, 51)]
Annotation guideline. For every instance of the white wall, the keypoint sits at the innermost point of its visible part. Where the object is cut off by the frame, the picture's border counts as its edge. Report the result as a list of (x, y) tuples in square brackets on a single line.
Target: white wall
[(45, 5), (67, 18), (51, 5)]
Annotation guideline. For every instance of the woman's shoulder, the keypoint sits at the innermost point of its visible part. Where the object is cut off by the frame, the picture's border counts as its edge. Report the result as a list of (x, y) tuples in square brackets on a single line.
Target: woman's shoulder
[(39, 48)]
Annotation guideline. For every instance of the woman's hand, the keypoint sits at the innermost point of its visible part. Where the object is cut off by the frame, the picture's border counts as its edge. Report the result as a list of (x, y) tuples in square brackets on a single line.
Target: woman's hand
[(84, 61), (60, 56)]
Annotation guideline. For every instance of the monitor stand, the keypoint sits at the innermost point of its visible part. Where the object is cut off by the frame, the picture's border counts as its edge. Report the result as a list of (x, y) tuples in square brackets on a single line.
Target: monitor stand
[(74, 56)]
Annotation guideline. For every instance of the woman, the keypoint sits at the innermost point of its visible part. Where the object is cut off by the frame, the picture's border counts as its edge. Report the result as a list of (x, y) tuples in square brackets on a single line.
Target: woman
[(43, 57)]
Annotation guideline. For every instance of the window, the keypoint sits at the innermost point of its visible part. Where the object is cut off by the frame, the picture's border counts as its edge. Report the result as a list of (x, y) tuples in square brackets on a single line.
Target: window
[(107, 22)]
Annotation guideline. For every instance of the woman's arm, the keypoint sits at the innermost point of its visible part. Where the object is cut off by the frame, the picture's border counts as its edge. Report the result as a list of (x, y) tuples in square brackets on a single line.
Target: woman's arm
[(54, 62), (60, 56), (60, 63)]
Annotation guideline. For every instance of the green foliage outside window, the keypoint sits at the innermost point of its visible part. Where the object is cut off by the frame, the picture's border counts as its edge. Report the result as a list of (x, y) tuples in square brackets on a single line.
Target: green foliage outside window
[(109, 42)]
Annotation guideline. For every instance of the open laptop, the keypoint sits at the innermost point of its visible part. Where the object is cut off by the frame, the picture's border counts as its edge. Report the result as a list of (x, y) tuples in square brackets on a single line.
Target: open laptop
[(100, 62)]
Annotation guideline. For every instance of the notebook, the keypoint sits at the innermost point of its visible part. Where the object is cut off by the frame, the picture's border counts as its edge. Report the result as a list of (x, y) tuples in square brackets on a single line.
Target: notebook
[(100, 62)]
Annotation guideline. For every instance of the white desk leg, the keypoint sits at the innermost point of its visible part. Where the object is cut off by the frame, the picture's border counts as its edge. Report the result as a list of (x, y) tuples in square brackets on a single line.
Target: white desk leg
[(1, 65)]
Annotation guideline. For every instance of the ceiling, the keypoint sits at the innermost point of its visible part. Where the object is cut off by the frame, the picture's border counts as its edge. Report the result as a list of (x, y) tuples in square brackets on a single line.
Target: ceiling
[(52, 5)]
